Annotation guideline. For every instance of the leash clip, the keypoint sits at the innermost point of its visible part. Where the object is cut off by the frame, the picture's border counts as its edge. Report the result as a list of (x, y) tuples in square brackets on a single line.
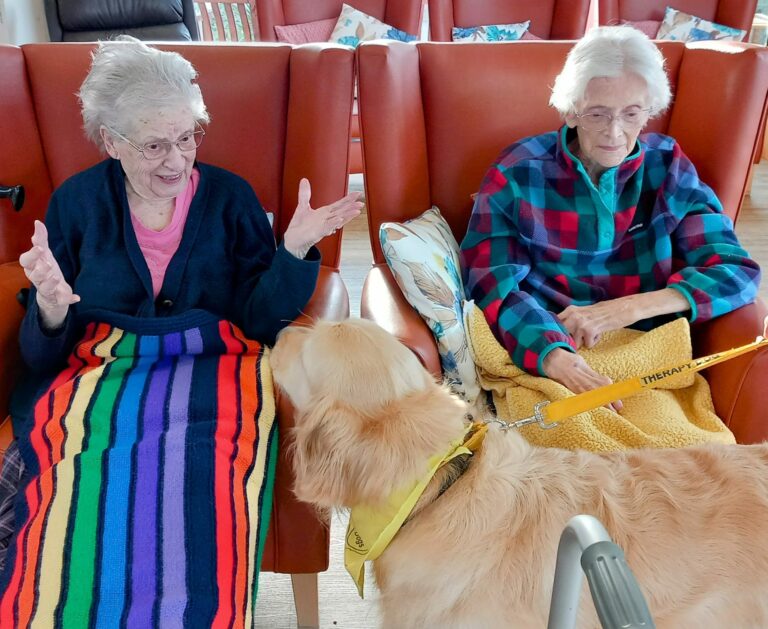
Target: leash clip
[(536, 418)]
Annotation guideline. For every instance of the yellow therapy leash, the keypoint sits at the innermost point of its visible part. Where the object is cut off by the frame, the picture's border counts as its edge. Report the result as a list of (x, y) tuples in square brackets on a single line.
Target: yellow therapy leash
[(547, 414)]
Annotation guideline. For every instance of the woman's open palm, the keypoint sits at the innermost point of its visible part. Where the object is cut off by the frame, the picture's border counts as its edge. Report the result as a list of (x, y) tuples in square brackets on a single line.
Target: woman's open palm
[(54, 294), (308, 226)]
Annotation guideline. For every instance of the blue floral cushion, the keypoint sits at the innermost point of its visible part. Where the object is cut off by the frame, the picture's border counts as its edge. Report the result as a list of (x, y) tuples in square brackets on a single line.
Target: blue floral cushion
[(491, 32), (424, 259), (685, 27), (354, 27)]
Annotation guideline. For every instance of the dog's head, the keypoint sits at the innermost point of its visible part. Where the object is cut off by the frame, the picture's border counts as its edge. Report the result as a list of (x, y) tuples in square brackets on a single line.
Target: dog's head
[(368, 415)]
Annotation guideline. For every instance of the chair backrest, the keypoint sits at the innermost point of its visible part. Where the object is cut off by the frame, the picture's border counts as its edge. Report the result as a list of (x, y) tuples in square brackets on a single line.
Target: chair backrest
[(550, 19), (226, 20), (277, 115), (734, 13), (22, 161), (402, 14), (429, 136), (91, 20)]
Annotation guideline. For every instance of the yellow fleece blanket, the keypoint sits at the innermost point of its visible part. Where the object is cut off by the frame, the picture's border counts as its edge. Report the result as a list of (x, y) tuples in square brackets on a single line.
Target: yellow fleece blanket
[(682, 414)]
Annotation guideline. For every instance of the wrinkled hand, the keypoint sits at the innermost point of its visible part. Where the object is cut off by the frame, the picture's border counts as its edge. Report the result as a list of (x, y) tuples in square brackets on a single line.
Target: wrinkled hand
[(54, 294), (586, 324), (573, 372), (309, 226)]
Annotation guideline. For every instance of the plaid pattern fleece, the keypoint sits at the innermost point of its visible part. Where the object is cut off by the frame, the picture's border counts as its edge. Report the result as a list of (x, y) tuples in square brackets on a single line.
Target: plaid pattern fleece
[(543, 236)]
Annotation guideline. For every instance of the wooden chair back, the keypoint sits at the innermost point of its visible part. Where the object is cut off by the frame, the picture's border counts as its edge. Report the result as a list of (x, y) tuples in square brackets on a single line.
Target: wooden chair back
[(226, 20)]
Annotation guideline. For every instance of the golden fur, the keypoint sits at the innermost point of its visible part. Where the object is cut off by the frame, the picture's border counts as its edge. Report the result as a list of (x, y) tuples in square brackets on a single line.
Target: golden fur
[(692, 522)]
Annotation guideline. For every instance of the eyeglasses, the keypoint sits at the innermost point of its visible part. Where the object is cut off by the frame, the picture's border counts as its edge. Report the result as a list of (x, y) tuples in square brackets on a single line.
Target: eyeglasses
[(634, 119), (157, 149)]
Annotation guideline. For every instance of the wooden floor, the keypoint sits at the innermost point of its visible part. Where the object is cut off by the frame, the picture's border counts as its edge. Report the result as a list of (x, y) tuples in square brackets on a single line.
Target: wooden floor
[(752, 223), (339, 603)]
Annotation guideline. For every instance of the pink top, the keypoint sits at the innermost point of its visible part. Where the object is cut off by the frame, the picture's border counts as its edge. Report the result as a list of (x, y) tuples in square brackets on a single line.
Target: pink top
[(158, 247)]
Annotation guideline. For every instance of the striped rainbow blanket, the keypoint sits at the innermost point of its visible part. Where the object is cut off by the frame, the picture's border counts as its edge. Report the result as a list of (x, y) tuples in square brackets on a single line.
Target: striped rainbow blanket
[(150, 464)]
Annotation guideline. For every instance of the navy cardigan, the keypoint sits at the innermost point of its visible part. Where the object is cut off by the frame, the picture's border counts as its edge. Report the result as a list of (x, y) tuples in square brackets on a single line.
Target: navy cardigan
[(227, 262)]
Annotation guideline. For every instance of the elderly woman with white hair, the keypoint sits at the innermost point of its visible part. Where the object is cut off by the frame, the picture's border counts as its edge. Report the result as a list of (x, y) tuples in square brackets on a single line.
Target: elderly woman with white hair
[(146, 440), (595, 227)]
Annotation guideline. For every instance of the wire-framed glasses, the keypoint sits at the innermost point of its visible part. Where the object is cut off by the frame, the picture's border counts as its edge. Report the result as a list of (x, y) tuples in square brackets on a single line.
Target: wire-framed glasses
[(160, 148), (600, 120)]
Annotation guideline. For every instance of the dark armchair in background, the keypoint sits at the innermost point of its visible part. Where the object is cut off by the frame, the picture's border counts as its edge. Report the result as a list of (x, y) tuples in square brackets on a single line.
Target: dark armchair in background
[(90, 20)]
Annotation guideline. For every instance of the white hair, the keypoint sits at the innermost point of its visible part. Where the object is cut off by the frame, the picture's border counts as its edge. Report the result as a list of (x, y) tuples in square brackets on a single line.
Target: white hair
[(128, 78), (610, 51)]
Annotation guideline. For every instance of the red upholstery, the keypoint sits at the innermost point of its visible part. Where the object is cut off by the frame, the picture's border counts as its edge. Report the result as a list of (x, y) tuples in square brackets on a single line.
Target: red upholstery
[(402, 14), (430, 141), (20, 137), (550, 19), (277, 115), (734, 13)]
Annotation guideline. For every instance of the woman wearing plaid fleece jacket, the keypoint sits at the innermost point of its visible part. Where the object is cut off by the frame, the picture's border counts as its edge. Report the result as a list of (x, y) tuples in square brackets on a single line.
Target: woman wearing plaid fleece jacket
[(591, 228)]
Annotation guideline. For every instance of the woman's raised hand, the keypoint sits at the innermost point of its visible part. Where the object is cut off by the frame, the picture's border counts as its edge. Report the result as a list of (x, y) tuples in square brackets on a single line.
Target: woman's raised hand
[(308, 226), (54, 294)]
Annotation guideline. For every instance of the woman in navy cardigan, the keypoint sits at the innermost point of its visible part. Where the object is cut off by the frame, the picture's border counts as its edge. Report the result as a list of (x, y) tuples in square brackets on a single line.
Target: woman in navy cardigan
[(100, 252), (152, 235)]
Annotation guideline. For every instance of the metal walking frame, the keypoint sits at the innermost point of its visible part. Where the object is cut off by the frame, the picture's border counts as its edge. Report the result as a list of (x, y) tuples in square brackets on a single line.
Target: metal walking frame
[(586, 546)]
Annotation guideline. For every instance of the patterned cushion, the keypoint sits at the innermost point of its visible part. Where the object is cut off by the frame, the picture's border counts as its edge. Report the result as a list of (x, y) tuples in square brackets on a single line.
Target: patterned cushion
[(684, 27), (649, 27), (491, 32), (354, 26), (424, 258), (306, 33)]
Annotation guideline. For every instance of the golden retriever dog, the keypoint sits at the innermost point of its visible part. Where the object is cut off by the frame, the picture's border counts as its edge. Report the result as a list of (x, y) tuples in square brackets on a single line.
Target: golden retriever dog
[(693, 522)]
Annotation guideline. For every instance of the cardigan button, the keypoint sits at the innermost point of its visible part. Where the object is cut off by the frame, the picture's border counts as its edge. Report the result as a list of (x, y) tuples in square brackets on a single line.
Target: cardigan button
[(167, 304)]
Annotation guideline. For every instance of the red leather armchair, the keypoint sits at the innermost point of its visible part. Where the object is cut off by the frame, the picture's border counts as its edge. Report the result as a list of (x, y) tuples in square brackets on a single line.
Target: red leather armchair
[(402, 14), (550, 19), (278, 114), (430, 140), (734, 13)]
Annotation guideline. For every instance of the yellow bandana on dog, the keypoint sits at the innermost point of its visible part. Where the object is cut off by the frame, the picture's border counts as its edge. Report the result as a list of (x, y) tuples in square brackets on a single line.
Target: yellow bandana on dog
[(370, 530)]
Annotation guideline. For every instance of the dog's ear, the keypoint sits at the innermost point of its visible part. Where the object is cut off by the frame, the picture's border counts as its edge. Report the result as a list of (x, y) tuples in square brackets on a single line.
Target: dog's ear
[(324, 444), (344, 457), (285, 362)]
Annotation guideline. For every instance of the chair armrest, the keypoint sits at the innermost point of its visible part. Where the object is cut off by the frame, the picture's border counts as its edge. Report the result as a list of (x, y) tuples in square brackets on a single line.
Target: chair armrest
[(738, 384), (383, 302), (12, 280), (188, 12), (299, 536), (329, 301)]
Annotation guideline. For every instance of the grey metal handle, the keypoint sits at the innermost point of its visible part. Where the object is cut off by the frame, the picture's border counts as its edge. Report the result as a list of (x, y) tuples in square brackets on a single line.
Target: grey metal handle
[(610, 577), (618, 600)]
